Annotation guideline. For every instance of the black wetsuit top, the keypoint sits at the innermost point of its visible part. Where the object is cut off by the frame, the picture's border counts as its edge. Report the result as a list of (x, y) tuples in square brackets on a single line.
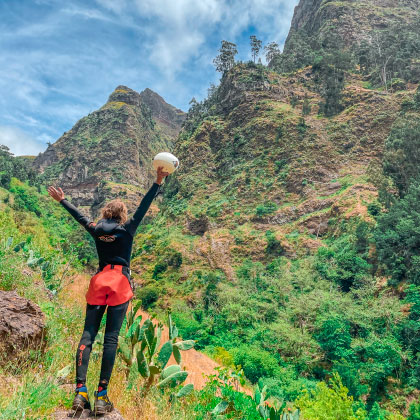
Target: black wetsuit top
[(114, 241)]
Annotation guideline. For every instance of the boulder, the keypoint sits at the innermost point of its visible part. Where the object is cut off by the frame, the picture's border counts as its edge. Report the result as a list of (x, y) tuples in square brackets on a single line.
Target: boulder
[(87, 414), (22, 324)]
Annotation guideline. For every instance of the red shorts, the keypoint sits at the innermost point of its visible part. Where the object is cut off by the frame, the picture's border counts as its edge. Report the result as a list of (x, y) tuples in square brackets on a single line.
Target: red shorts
[(111, 286)]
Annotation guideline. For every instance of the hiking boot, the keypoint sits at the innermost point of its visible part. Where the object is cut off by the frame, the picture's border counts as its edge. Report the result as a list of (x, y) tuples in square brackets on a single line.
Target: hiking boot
[(81, 400), (102, 403)]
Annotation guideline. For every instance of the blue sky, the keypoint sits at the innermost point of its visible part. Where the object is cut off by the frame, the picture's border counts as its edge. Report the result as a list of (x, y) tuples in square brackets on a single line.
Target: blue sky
[(60, 60)]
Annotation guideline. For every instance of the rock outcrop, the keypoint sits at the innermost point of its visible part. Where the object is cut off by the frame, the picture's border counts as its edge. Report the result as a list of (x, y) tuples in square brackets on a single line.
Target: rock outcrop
[(22, 325), (167, 117), (350, 20), (87, 414)]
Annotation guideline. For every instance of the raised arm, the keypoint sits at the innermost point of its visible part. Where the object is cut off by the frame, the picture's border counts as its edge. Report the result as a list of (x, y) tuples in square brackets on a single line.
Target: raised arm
[(134, 222), (58, 195)]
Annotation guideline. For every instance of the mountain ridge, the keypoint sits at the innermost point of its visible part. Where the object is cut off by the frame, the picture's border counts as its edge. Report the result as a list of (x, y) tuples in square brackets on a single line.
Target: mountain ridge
[(109, 152)]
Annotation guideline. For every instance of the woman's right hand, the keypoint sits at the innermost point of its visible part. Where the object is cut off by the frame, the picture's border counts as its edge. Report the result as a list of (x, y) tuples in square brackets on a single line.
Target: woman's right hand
[(56, 194), (161, 174)]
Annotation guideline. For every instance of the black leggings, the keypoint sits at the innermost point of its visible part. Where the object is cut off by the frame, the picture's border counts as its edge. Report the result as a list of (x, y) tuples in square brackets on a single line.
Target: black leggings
[(114, 320)]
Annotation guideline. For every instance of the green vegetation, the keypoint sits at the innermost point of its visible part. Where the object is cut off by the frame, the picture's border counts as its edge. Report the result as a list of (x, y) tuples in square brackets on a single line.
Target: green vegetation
[(305, 288), (226, 59), (330, 403), (11, 166), (391, 56), (139, 345), (290, 319), (37, 263)]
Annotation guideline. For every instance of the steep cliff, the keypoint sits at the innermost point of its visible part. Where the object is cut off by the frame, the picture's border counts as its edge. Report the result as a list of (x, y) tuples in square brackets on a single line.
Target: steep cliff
[(109, 152), (350, 20), (168, 118), (258, 150)]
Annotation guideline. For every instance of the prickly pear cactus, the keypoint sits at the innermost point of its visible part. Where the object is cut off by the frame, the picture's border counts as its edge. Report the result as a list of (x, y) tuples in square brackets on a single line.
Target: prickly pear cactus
[(272, 413), (139, 344)]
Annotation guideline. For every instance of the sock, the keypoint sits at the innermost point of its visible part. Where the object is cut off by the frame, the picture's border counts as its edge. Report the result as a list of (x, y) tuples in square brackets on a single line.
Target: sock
[(102, 388), (81, 387)]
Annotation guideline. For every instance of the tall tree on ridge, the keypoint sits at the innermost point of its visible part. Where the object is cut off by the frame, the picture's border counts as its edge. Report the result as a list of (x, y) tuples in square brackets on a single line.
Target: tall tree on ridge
[(226, 59), (256, 46), (271, 50)]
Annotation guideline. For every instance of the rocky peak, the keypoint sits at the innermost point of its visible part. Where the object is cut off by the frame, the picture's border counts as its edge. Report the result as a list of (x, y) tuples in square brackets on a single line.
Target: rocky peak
[(125, 95), (304, 14), (166, 114)]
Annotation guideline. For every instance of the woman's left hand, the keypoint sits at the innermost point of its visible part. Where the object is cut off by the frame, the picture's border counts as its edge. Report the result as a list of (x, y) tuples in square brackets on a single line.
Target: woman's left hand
[(57, 194), (160, 175)]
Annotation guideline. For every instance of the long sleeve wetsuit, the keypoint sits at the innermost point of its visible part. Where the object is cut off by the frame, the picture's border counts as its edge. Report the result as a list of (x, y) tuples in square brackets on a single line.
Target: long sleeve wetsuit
[(113, 244), (114, 241)]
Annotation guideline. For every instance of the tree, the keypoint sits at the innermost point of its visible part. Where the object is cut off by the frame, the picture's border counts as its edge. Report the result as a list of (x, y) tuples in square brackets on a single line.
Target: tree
[(256, 362), (306, 108), (11, 166), (299, 54), (330, 72), (226, 59), (398, 240), (271, 51), (334, 338), (391, 53), (342, 264), (329, 402), (256, 45), (402, 156)]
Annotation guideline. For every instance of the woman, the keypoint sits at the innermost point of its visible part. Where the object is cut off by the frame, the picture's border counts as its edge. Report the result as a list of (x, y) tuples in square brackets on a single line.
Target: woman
[(110, 287)]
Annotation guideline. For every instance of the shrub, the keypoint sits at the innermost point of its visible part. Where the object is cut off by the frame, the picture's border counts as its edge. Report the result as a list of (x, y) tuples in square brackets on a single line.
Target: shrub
[(160, 268), (26, 199), (382, 359), (274, 246), (400, 158), (210, 292), (414, 412), (329, 402), (256, 363), (342, 264), (148, 296), (174, 258), (220, 395), (189, 328), (374, 208), (267, 208), (334, 338)]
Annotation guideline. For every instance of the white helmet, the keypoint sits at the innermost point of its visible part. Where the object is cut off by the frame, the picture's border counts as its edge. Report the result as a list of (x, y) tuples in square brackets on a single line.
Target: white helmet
[(167, 160)]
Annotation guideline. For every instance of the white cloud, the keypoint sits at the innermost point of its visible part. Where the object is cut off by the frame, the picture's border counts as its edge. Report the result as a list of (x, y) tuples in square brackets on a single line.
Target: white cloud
[(62, 64), (19, 142), (112, 5), (179, 31), (86, 13), (181, 28)]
